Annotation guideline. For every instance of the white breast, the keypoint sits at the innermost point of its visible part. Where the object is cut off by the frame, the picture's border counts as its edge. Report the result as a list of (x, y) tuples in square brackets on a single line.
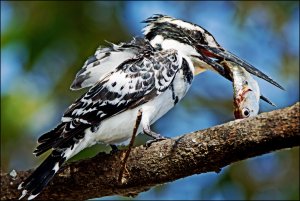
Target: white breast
[(118, 129)]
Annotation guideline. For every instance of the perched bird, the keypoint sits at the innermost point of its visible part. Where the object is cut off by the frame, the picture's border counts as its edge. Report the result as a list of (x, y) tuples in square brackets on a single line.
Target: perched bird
[(150, 74)]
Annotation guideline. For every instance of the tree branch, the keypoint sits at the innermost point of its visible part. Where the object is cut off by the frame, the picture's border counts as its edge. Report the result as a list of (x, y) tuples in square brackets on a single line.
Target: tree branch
[(168, 160)]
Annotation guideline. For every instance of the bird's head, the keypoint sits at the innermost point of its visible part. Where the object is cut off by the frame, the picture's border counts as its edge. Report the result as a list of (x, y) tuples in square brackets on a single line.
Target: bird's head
[(165, 32)]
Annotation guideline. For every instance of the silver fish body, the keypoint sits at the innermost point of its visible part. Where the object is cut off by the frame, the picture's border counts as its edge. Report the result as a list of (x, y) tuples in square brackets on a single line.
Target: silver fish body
[(246, 91)]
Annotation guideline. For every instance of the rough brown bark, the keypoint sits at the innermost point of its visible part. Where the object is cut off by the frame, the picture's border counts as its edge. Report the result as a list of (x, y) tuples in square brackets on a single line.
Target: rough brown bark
[(168, 160)]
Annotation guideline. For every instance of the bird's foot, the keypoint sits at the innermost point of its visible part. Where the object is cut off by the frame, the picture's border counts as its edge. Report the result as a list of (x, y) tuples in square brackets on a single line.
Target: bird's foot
[(114, 149), (157, 137), (160, 138)]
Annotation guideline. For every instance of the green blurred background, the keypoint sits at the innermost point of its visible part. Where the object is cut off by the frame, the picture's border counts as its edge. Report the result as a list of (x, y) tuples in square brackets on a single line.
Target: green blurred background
[(44, 44)]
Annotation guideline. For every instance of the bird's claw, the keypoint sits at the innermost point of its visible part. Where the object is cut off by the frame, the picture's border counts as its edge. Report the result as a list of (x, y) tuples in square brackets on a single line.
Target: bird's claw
[(114, 149), (160, 138)]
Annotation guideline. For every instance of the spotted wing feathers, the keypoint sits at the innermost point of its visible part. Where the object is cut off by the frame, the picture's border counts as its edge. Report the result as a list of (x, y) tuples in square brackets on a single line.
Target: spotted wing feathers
[(135, 80), (106, 60)]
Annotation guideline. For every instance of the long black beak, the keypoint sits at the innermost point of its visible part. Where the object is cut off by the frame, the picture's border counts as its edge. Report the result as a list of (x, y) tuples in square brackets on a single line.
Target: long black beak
[(262, 97), (214, 55)]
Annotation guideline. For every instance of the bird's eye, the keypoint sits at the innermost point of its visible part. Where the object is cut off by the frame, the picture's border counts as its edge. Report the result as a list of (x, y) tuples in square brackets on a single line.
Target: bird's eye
[(197, 34), (246, 112)]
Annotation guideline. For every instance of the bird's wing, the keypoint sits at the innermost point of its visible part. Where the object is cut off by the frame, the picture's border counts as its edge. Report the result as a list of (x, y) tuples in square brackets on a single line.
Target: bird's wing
[(133, 83), (106, 60)]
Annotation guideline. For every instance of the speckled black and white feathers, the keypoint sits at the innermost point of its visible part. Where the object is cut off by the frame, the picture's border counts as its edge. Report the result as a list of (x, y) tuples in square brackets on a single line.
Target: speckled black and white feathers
[(35, 183), (179, 30), (132, 84), (135, 80), (188, 37), (107, 59)]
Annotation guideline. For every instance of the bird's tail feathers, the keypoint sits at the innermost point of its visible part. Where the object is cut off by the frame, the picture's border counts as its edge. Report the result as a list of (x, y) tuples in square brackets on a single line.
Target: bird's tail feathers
[(35, 183), (47, 140)]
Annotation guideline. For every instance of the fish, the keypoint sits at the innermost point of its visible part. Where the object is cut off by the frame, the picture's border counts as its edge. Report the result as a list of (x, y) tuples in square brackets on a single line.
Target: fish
[(246, 91)]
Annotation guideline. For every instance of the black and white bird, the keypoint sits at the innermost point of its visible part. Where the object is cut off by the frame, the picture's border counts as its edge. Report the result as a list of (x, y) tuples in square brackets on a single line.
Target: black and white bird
[(150, 74)]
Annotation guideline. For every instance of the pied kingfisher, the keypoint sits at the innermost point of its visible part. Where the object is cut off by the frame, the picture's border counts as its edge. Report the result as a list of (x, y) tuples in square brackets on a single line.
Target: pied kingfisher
[(150, 74)]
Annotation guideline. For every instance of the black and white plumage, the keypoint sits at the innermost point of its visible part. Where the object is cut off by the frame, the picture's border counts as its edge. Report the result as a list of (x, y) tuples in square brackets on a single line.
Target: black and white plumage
[(106, 59), (150, 74), (165, 32), (151, 82)]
